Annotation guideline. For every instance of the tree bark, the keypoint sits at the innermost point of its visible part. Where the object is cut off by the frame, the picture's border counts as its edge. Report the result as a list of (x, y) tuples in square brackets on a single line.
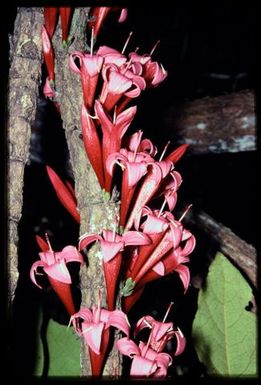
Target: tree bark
[(96, 214), (24, 79), (220, 124)]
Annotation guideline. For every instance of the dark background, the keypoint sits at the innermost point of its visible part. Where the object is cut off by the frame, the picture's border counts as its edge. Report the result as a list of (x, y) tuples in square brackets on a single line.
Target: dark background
[(209, 49)]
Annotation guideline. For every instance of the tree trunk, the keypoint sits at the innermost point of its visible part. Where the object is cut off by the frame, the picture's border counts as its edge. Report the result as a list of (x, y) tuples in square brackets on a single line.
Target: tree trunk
[(24, 79), (96, 214)]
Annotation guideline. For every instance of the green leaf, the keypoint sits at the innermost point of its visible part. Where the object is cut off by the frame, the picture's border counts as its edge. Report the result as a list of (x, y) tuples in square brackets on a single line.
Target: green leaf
[(64, 351), (224, 332)]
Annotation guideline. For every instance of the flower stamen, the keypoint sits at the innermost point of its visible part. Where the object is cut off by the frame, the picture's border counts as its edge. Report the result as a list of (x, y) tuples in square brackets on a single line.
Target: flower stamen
[(164, 151), (92, 38), (154, 47), (127, 42), (167, 312), (185, 212)]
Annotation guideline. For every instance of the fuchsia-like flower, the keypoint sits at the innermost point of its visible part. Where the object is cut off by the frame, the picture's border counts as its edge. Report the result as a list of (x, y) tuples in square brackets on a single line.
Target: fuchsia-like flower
[(65, 193), (148, 359), (54, 265), (161, 333), (89, 68), (94, 328), (146, 362), (171, 244), (112, 133), (135, 166), (112, 245)]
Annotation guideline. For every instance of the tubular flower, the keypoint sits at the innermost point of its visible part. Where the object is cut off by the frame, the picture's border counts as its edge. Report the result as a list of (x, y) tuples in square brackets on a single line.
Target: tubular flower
[(65, 193), (145, 361), (170, 257), (114, 87), (112, 133), (161, 333), (135, 166), (94, 328), (112, 245), (89, 68), (148, 188), (54, 265)]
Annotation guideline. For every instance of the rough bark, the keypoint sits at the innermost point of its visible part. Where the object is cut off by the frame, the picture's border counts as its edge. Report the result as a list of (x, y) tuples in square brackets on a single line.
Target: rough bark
[(96, 214), (24, 78), (242, 254), (216, 124)]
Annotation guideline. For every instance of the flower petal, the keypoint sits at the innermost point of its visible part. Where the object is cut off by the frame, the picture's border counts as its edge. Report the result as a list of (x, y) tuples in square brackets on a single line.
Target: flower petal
[(119, 320), (86, 239), (127, 347), (33, 270), (142, 367), (92, 334), (71, 254), (110, 249), (58, 271), (136, 238)]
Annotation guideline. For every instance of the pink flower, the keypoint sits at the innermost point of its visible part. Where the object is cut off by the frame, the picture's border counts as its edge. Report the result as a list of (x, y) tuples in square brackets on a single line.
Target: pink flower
[(135, 166), (145, 361), (111, 56), (149, 186), (154, 74), (90, 68), (95, 330), (115, 86), (54, 265), (112, 245), (112, 133), (161, 333)]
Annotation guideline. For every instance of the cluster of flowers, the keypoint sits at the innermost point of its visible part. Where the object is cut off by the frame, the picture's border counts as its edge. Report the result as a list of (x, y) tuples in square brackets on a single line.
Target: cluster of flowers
[(146, 243)]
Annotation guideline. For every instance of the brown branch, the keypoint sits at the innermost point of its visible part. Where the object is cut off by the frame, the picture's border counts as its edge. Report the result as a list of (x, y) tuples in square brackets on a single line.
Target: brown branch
[(238, 251), (215, 125), (24, 79)]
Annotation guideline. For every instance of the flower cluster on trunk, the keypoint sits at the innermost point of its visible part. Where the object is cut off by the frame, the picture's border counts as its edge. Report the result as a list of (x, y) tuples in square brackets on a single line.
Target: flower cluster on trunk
[(145, 243)]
